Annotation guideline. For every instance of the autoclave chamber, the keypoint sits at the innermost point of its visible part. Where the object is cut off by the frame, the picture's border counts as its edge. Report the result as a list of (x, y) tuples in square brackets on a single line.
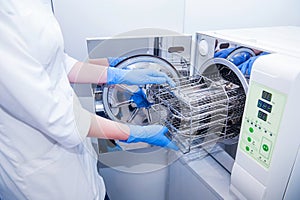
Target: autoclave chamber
[(204, 114)]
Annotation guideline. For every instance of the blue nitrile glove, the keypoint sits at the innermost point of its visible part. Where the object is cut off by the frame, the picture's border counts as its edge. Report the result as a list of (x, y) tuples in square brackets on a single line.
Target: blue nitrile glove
[(246, 67), (112, 61), (152, 134), (140, 99), (224, 53), (114, 148), (137, 77)]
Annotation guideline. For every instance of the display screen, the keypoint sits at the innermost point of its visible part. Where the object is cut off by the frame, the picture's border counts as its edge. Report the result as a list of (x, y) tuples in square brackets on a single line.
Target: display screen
[(266, 95), (262, 115), (265, 106)]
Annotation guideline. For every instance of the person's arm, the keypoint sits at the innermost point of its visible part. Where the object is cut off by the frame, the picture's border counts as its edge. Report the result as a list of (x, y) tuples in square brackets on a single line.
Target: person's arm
[(106, 129), (151, 134), (100, 61), (98, 74), (95, 71), (110, 61), (88, 73)]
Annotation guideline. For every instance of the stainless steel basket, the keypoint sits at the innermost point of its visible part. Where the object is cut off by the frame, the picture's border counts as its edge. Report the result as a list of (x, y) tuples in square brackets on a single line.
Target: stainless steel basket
[(201, 110)]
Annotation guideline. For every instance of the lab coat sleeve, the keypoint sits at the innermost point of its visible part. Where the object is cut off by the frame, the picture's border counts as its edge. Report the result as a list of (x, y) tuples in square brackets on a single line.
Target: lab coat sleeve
[(28, 95), (82, 117), (69, 62)]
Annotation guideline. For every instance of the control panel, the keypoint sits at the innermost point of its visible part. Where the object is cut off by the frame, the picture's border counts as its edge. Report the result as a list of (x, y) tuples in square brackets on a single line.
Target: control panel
[(261, 122)]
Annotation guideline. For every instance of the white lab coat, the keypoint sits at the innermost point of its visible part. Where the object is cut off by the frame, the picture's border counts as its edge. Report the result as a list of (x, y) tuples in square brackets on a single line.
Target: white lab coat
[(44, 152)]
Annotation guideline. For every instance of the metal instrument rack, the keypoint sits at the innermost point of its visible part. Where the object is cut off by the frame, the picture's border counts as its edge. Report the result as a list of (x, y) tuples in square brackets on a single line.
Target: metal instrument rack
[(201, 110)]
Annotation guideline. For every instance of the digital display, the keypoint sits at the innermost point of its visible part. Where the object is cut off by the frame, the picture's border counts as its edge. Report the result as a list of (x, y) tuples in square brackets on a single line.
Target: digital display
[(262, 115), (266, 95), (265, 106)]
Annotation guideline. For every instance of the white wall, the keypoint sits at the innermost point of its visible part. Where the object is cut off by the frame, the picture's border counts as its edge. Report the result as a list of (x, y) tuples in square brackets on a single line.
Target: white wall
[(201, 15), (97, 18)]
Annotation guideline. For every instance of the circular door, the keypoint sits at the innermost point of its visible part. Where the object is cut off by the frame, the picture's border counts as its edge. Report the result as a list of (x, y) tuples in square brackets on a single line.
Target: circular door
[(220, 67), (217, 68), (119, 100)]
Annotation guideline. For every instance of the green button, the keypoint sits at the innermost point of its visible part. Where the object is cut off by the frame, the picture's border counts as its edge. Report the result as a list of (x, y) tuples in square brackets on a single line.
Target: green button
[(247, 148), (251, 130), (249, 139), (265, 147)]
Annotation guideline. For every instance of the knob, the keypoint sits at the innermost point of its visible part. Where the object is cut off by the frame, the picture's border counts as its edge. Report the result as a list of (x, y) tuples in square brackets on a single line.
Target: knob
[(203, 47)]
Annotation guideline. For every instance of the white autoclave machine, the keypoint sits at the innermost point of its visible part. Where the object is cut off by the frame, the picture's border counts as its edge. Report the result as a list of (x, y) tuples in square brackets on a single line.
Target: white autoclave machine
[(237, 133)]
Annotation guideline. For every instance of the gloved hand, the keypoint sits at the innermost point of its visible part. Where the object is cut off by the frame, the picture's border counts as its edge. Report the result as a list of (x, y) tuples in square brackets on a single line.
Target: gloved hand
[(152, 134), (246, 67), (140, 99), (112, 61), (137, 77)]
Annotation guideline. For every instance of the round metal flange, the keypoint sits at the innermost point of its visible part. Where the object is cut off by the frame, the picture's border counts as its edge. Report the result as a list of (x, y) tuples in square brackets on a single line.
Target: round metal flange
[(216, 67), (226, 69), (118, 100)]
